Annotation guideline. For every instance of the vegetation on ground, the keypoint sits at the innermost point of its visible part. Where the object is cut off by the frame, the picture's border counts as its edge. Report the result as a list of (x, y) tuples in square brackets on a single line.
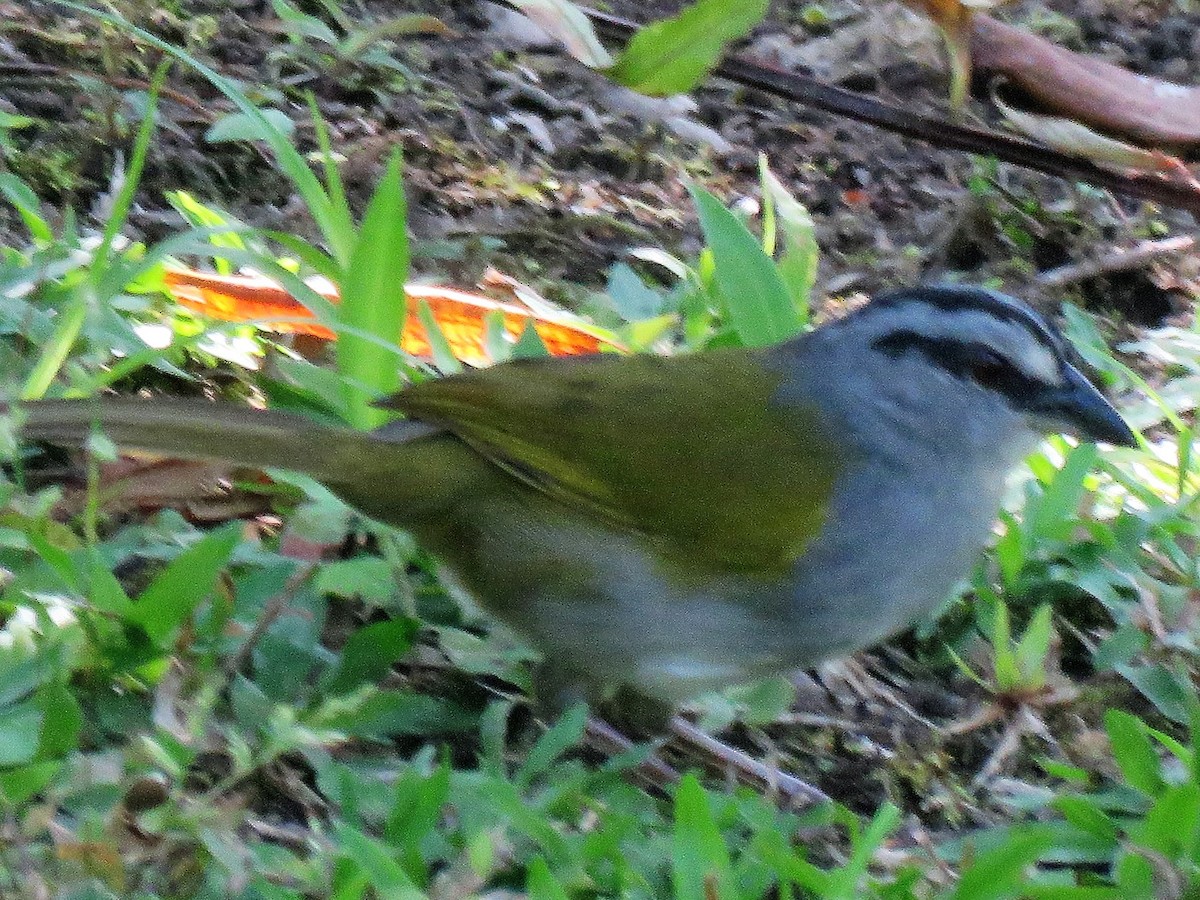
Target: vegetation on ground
[(256, 692)]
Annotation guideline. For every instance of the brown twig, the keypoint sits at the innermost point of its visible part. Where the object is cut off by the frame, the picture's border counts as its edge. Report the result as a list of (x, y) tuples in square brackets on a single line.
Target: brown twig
[(272, 610), (809, 91), (746, 768), (1121, 259), (44, 70)]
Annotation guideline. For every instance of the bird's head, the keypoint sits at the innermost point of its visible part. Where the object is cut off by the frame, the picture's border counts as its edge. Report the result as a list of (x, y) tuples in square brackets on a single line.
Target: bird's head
[(960, 369)]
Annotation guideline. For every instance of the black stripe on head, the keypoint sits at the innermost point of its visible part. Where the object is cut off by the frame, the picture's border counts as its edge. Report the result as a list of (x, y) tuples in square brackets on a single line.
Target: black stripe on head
[(965, 298), (968, 361)]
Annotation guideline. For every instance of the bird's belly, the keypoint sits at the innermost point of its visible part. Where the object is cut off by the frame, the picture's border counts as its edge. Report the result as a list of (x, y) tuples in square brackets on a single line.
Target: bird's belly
[(595, 598)]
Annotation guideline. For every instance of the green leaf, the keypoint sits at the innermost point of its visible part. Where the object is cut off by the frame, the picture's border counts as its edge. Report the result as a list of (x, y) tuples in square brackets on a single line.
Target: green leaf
[(1083, 813), (540, 884), (564, 734), (439, 344), (1170, 825), (20, 729), (55, 351), (759, 307), (1167, 691), (373, 300), (799, 254), (844, 882), (62, 721), (385, 713), (1034, 646), (368, 577), (701, 863), (633, 300), (241, 127), (179, 588), (417, 808), (1056, 511), (19, 784), (376, 861), (1133, 752), (291, 161), (997, 873), (1008, 675), (529, 344), (369, 654), (671, 56), (26, 202)]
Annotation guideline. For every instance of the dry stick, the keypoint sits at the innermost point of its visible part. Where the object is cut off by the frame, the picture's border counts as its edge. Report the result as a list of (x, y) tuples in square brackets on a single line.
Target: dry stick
[(1117, 260), (44, 71), (273, 609), (656, 773), (746, 768), (812, 92)]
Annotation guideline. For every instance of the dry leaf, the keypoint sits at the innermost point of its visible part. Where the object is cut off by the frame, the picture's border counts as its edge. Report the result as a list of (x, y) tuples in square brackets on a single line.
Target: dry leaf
[(1153, 113), (565, 21), (243, 298), (1074, 139)]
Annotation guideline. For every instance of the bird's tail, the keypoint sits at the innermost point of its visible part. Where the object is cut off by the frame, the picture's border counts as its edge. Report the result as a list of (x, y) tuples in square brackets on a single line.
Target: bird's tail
[(398, 474)]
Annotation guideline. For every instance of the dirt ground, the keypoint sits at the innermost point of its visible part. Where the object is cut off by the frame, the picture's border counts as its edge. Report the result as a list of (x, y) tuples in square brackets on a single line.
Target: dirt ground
[(520, 158)]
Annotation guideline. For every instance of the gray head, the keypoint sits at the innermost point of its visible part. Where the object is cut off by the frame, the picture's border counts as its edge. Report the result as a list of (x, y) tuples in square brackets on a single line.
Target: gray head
[(962, 373)]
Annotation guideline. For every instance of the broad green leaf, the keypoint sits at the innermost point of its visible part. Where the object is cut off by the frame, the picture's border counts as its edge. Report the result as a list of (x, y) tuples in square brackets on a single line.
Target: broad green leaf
[(1170, 826), (671, 56), (385, 713), (417, 806), (702, 867), (20, 729), (1165, 689), (19, 784), (62, 720), (26, 202), (186, 581), (368, 577), (1083, 813), (756, 299), (369, 654), (996, 874), (1133, 752), (629, 294)]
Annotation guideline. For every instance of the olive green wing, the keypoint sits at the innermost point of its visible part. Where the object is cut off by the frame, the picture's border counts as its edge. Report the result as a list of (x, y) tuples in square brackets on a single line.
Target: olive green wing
[(690, 450)]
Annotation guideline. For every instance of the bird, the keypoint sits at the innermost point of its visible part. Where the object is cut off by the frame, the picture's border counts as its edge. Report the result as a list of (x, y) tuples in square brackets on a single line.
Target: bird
[(673, 525)]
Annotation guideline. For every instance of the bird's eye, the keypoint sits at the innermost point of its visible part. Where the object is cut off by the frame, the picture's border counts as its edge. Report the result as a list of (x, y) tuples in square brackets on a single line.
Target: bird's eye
[(988, 369)]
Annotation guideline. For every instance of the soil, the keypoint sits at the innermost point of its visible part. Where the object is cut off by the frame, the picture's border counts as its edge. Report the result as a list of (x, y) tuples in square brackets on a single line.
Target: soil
[(520, 158)]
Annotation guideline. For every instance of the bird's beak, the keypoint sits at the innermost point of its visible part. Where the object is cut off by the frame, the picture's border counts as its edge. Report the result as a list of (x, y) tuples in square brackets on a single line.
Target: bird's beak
[(1079, 408)]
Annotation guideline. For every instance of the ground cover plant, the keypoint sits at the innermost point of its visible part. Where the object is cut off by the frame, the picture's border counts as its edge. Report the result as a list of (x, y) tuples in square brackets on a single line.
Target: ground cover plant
[(225, 683)]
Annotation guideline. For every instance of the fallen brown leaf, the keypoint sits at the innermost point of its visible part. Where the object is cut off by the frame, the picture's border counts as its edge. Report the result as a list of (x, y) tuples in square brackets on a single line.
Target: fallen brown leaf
[(1151, 112)]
